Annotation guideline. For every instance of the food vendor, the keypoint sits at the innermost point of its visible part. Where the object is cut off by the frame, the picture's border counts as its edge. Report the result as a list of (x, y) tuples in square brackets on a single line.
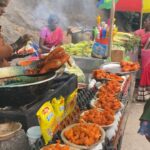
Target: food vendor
[(51, 35), (5, 49)]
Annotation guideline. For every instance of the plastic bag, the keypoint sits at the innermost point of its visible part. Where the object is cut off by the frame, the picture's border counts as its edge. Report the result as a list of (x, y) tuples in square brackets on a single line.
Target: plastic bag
[(47, 121), (100, 50), (58, 106), (70, 102), (74, 69)]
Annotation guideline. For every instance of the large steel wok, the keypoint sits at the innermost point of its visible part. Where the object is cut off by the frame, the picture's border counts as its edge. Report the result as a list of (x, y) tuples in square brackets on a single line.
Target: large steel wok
[(22, 90)]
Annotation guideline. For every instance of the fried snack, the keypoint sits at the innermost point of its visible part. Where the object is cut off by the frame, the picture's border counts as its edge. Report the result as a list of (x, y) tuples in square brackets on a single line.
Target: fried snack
[(129, 66), (101, 74), (54, 60), (101, 118), (56, 146), (83, 134), (57, 51), (113, 104), (54, 64), (107, 96)]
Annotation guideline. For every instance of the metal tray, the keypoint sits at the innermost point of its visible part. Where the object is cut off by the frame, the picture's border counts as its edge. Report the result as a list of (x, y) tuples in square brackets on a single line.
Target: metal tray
[(114, 67)]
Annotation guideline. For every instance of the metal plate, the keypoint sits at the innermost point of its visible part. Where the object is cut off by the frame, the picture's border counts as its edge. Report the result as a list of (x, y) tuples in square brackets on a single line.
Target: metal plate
[(26, 81), (114, 67)]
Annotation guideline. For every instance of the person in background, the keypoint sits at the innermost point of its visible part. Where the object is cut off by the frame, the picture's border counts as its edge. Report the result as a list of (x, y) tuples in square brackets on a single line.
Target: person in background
[(144, 87), (144, 95), (7, 51), (51, 35), (144, 33)]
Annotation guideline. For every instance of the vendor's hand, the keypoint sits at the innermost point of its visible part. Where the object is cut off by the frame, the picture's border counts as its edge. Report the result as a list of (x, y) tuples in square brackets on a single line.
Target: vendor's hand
[(22, 51), (51, 49)]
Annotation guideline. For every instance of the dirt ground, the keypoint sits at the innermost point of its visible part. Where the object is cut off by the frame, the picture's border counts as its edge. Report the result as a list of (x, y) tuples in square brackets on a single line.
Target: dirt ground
[(132, 140)]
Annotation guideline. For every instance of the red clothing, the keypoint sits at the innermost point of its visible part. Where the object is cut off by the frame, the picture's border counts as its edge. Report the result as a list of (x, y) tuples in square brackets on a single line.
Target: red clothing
[(145, 78), (52, 38), (143, 35), (145, 56)]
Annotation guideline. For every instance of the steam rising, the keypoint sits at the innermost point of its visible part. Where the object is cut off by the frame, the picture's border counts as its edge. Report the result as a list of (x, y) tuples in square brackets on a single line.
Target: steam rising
[(70, 12)]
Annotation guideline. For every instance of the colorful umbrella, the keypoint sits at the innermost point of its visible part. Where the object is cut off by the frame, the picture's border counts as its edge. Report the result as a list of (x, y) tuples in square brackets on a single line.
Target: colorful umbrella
[(142, 6)]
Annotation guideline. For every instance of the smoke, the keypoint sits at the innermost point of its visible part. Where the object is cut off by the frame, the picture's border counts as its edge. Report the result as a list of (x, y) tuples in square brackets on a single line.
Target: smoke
[(44, 9), (29, 16), (70, 12)]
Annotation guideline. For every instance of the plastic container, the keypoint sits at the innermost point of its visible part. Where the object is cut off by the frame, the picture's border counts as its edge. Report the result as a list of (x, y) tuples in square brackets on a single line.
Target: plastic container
[(33, 134)]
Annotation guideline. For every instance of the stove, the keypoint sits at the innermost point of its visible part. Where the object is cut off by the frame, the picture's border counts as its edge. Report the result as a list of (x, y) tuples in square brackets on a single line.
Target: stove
[(26, 114)]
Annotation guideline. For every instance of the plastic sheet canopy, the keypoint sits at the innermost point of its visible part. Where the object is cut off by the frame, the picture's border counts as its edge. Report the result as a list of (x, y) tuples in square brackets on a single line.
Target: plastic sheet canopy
[(126, 5), (133, 6)]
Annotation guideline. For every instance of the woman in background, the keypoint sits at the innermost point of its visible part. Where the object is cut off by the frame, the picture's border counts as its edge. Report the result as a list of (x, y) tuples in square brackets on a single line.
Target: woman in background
[(144, 34), (51, 35), (144, 87)]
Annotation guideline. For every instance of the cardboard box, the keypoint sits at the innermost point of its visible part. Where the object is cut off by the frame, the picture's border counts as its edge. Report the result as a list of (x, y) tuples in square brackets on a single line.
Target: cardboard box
[(117, 55)]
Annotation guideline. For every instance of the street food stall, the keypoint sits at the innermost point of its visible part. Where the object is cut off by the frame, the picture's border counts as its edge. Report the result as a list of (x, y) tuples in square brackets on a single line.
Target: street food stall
[(104, 100), (73, 115), (57, 96), (62, 106), (90, 107)]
